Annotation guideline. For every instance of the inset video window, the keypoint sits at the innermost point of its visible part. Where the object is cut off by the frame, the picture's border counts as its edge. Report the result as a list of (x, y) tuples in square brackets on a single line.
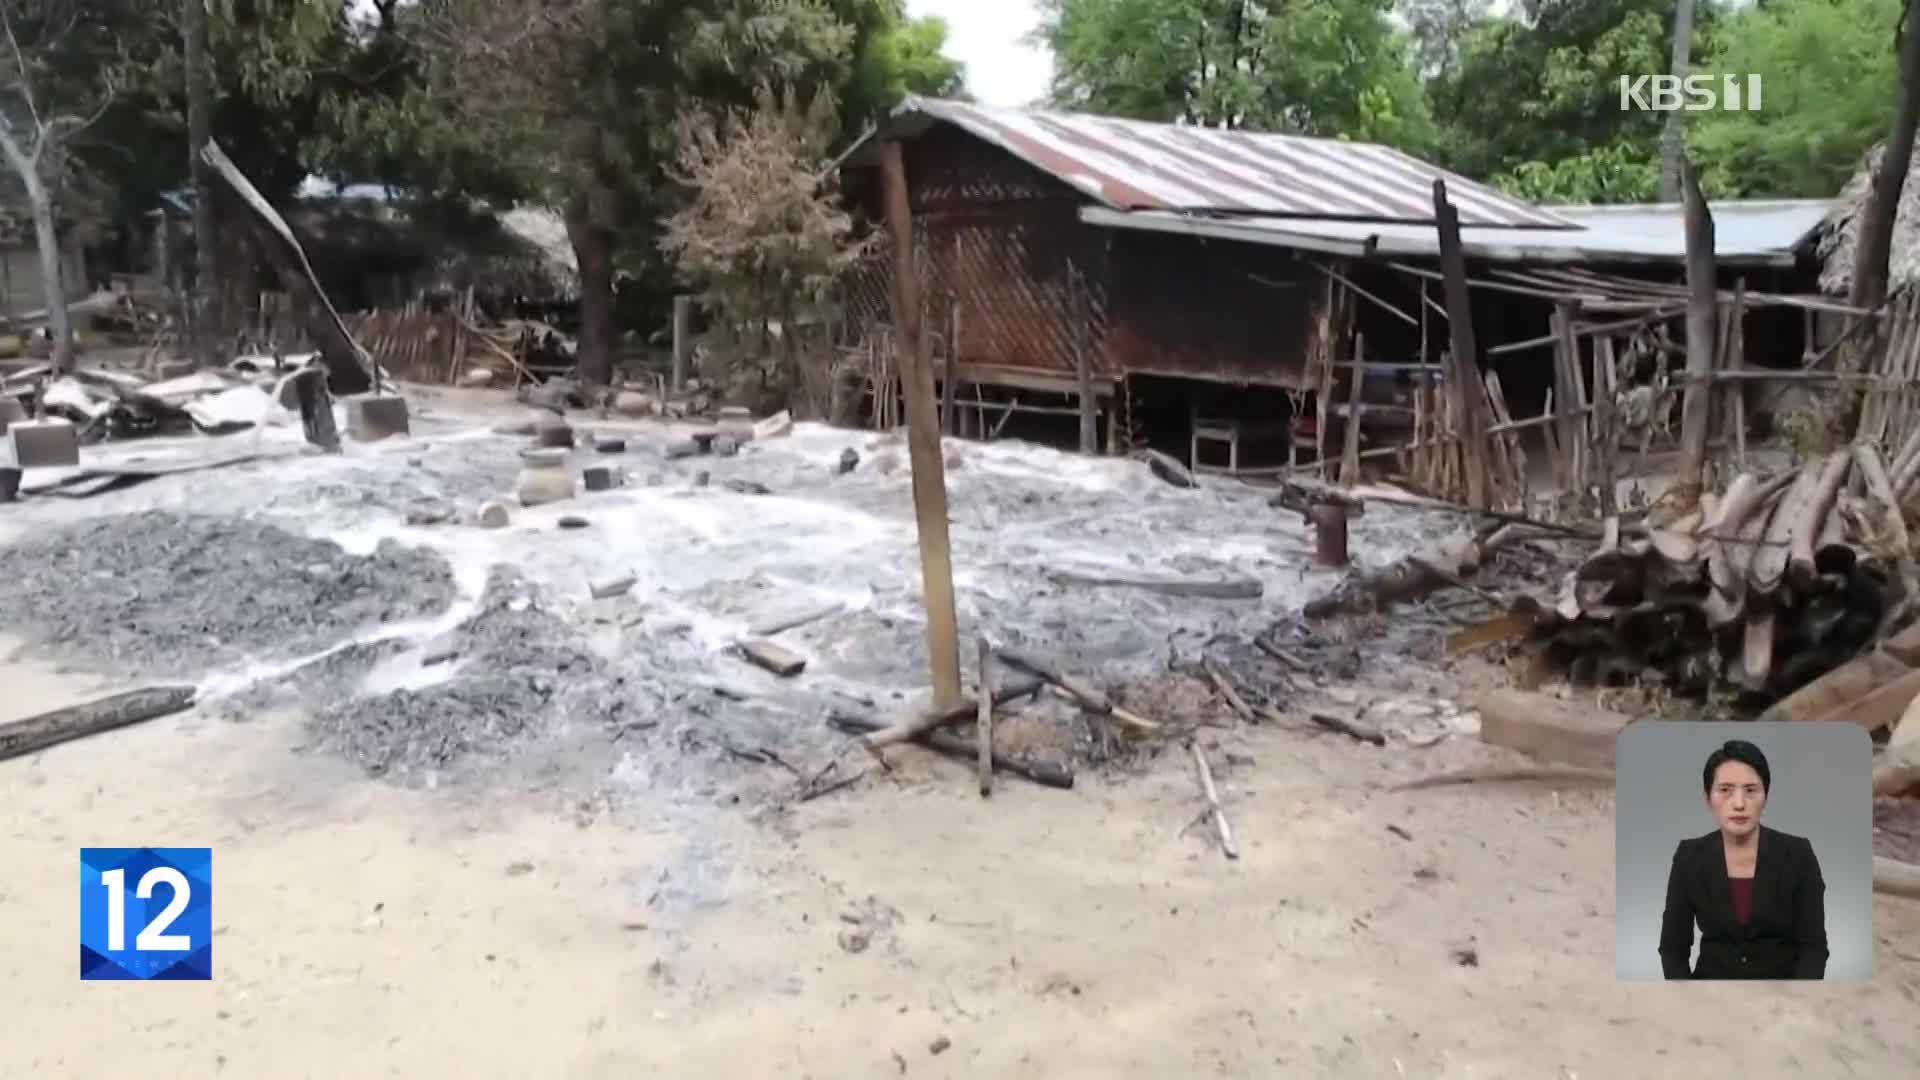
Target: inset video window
[(1744, 851)]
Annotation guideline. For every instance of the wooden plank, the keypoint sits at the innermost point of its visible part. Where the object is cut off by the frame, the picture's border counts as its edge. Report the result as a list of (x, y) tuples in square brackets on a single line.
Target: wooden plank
[(1547, 728), (1881, 707), (923, 442), (775, 658)]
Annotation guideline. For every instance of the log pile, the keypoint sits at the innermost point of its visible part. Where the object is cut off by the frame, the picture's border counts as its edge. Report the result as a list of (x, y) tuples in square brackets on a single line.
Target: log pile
[(1763, 587)]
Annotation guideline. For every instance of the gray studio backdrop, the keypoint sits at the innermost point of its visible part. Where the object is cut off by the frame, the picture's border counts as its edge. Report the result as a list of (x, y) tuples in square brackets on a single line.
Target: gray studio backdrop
[(1822, 789)]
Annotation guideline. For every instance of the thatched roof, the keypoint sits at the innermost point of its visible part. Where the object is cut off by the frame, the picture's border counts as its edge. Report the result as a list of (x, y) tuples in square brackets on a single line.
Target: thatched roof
[(1836, 244)]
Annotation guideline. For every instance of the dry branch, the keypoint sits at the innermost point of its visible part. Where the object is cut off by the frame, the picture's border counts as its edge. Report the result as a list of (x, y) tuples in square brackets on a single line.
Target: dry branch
[(34, 733), (1213, 801), (1045, 773), (910, 729)]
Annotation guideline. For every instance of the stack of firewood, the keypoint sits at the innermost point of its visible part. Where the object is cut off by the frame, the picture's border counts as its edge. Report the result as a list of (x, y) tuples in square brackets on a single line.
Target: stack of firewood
[(1762, 587)]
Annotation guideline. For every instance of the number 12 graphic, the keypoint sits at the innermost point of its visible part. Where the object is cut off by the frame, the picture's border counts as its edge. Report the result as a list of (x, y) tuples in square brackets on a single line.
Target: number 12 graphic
[(167, 912)]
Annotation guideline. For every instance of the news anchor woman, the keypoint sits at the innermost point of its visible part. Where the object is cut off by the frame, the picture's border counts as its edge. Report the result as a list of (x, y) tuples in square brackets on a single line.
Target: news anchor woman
[(1756, 894)]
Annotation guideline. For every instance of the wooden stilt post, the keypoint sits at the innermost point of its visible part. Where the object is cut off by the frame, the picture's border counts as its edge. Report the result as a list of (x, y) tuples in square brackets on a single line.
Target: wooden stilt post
[(1082, 362), (682, 343), (1463, 374), (923, 441), (1703, 323)]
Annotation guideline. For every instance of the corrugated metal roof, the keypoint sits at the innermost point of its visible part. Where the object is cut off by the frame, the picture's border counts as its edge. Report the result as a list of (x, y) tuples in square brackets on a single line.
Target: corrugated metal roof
[(1745, 234), (1753, 226), (1133, 165)]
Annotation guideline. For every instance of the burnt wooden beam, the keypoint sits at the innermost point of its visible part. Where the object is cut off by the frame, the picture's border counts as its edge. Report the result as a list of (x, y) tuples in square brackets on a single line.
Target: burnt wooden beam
[(1464, 376), (1703, 326), (923, 440)]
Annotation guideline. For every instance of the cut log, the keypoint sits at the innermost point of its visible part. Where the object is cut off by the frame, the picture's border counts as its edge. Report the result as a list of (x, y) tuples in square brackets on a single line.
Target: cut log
[(1811, 517), (914, 727), (1213, 802), (1896, 778), (34, 733), (1896, 878), (1548, 729), (1046, 773), (1410, 578), (1736, 541), (1770, 559), (1839, 688), (781, 661), (1227, 589), (1880, 486)]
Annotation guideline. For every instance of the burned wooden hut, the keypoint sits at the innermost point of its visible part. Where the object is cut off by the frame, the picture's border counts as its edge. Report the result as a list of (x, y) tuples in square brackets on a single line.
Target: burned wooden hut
[(1215, 291)]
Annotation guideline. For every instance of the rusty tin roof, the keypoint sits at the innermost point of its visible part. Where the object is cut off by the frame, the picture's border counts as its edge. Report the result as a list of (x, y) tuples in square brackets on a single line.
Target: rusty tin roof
[(1133, 165)]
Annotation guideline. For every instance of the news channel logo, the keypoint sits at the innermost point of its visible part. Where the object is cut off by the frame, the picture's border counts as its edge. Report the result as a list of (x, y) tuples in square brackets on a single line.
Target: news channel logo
[(146, 913), (1691, 93)]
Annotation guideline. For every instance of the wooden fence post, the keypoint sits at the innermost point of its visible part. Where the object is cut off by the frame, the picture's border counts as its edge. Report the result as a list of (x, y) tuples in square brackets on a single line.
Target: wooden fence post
[(923, 441)]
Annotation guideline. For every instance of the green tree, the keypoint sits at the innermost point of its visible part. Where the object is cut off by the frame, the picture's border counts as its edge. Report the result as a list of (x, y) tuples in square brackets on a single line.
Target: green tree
[(1828, 73), (1536, 95), (1318, 67), (581, 98), (898, 56)]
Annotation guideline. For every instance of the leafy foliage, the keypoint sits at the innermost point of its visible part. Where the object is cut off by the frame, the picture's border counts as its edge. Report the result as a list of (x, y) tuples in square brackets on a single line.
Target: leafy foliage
[(1529, 93), (763, 233), (1318, 67), (1828, 73)]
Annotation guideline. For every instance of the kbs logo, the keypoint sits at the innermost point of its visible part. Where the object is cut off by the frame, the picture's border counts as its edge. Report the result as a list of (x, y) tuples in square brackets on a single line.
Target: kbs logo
[(146, 913), (1695, 93)]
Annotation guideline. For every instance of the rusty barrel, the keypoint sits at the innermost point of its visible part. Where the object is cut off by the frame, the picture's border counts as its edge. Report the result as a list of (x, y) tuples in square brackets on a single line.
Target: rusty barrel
[(1329, 533)]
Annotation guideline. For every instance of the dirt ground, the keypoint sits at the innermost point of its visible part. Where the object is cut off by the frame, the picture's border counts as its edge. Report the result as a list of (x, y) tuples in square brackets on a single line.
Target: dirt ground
[(621, 902), (363, 929)]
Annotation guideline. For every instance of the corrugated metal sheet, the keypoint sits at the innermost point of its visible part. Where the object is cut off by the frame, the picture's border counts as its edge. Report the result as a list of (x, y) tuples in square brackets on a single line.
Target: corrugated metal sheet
[(1765, 234), (1750, 227), (1132, 165)]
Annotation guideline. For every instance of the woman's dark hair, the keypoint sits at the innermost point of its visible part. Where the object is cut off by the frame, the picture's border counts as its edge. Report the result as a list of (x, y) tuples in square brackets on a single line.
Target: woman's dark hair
[(1736, 750)]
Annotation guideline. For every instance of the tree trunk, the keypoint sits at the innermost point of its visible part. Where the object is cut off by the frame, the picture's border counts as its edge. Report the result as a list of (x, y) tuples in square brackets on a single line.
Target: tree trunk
[(1673, 137), (209, 321), (1703, 324), (47, 239), (1873, 240), (593, 249)]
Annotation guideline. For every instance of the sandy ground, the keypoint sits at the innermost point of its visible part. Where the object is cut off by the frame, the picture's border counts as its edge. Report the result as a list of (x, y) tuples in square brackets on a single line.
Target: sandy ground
[(365, 930), (645, 926)]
